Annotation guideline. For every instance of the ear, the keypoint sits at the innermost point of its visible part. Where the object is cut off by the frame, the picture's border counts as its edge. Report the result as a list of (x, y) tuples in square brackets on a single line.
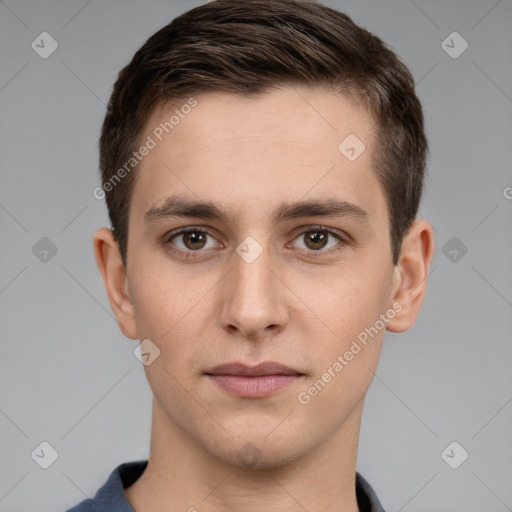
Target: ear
[(410, 275), (108, 259)]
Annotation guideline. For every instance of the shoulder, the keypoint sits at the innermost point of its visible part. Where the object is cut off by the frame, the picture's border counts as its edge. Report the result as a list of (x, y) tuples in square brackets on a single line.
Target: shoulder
[(111, 497)]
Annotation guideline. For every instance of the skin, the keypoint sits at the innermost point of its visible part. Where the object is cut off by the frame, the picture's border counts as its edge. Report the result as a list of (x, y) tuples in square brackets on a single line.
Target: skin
[(248, 156)]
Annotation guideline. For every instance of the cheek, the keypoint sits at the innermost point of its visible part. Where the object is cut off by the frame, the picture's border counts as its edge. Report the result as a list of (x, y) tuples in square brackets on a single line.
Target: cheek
[(156, 299), (170, 310), (350, 306), (155, 309), (354, 350), (346, 360), (349, 300)]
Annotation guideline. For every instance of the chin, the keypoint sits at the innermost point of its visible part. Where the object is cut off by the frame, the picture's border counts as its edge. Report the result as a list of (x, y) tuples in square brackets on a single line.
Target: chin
[(259, 452)]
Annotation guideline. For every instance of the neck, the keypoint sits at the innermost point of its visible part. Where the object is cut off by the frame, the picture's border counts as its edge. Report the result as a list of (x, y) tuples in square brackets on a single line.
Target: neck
[(181, 476)]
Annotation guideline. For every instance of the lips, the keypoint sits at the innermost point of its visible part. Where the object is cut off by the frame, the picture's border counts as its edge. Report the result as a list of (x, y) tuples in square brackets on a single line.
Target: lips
[(266, 368), (258, 381)]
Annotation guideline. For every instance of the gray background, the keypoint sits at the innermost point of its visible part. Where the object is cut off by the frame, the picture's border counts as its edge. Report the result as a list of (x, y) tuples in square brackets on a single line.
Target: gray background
[(68, 375)]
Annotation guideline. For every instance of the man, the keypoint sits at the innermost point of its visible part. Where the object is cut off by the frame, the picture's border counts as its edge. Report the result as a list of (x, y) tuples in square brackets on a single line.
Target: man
[(263, 164)]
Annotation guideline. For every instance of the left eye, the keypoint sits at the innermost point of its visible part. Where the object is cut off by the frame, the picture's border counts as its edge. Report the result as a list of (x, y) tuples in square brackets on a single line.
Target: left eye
[(317, 239)]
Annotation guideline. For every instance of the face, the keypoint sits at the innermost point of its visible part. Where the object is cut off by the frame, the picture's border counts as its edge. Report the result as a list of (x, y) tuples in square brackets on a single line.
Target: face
[(289, 262)]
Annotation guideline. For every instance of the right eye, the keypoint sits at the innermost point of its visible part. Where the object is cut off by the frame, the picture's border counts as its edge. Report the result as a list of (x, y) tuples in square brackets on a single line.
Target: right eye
[(188, 241)]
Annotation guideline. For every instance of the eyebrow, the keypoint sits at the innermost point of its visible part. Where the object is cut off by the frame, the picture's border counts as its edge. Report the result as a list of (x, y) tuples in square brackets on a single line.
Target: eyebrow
[(181, 207)]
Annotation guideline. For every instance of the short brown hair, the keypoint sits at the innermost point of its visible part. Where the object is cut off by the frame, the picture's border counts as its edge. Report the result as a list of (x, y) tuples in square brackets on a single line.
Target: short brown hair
[(249, 47)]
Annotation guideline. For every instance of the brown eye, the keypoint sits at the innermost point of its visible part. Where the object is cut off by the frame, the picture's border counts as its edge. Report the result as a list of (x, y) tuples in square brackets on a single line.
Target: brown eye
[(316, 239), (190, 241), (194, 240)]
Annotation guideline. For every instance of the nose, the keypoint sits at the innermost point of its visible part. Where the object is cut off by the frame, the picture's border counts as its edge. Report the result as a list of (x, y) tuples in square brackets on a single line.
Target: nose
[(253, 302)]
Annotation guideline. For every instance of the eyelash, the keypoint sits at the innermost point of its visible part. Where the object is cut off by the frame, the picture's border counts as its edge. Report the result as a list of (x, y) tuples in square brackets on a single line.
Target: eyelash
[(313, 254)]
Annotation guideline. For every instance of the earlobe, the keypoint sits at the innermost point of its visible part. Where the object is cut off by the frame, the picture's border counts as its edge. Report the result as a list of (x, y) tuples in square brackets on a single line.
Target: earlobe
[(410, 275), (108, 259)]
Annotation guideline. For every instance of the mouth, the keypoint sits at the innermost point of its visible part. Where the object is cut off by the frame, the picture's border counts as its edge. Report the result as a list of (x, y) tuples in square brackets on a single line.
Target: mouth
[(258, 381)]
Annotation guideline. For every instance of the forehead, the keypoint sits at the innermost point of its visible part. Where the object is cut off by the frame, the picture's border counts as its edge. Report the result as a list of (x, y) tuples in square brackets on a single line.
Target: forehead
[(252, 153)]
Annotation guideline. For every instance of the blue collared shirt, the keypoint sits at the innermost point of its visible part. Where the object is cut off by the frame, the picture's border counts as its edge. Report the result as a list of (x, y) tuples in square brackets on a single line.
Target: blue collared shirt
[(111, 497)]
